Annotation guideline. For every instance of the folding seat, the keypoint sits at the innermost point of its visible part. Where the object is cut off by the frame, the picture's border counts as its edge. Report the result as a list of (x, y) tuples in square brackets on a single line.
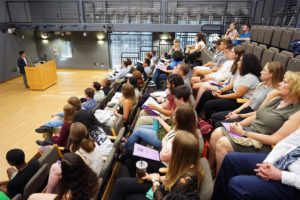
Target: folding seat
[(244, 44), (286, 38), (293, 65), (204, 55), (276, 37), (261, 34), (249, 48), (296, 35), (268, 35), (268, 55), (207, 185), (106, 168), (254, 34), (49, 157), (37, 182), (258, 51), (210, 56), (283, 57)]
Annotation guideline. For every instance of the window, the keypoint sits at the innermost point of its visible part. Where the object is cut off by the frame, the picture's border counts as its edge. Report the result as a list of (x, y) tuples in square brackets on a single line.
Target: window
[(128, 45), (66, 49)]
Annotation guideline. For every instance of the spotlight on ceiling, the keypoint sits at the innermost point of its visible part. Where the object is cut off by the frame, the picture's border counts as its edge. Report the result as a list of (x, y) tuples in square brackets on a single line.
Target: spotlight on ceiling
[(45, 35), (84, 34)]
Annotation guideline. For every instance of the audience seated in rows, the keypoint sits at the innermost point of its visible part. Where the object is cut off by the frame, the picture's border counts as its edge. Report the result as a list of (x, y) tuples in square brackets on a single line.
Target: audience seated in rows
[(77, 182), (262, 176), (19, 174), (175, 46), (184, 172), (140, 81), (194, 51), (161, 74), (122, 72), (271, 123), (57, 120), (231, 32), (126, 103), (218, 60), (105, 85), (271, 75), (148, 134), (245, 36), (95, 130), (83, 146), (228, 73), (184, 115), (90, 101), (243, 86), (62, 138)]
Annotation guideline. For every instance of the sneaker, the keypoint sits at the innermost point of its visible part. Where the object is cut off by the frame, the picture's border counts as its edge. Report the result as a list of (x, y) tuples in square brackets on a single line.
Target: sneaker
[(47, 141), (43, 129), (151, 84)]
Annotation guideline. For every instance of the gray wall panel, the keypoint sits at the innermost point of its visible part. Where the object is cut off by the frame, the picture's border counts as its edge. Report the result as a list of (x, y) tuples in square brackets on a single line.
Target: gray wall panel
[(86, 51)]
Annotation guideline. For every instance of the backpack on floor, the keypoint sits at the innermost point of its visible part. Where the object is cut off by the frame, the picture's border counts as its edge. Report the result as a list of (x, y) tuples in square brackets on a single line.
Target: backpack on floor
[(206, 128)]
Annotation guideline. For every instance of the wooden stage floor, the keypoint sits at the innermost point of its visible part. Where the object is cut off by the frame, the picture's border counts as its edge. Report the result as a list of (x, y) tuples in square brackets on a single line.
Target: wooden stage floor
[(23, 110)]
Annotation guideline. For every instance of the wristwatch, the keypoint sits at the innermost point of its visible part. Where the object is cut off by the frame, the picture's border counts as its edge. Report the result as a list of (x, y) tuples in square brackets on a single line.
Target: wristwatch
[(245, 133)]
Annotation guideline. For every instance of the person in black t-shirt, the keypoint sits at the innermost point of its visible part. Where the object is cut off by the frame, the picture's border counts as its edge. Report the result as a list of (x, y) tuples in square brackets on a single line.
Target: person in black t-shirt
[(105, 85), (19, 174)]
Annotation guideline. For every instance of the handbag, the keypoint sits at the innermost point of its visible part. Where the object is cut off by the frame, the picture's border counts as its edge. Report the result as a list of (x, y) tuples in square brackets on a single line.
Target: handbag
[(206, 128)]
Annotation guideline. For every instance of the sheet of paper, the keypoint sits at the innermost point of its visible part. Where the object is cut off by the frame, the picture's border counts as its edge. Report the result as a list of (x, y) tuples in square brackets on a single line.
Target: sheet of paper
[(159, 94), (150, 100), (116, 97), (145, 152), (226, 126)]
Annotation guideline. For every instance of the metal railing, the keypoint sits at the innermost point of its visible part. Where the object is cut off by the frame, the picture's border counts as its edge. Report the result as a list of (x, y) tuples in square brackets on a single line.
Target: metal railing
[(133, 56), (147, 49)]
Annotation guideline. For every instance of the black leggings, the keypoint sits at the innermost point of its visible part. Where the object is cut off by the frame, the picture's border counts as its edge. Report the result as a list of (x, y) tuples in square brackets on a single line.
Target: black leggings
[(192, 57), (220, 116), (130, 161), (127, 188)]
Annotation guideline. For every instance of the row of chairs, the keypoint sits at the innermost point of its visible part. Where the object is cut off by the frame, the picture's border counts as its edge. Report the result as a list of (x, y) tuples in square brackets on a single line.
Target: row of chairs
[(274, 36), (113, 167), (265, 55)]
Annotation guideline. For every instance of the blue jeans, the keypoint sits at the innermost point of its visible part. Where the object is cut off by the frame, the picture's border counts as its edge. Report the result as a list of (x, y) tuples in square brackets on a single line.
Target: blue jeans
[(56, 123), (145, 133), (159, 76), (25, 80), (237, 180)]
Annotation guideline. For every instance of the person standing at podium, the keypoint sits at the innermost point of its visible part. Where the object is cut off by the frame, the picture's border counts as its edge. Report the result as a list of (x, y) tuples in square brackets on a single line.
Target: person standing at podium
[(22, 62)]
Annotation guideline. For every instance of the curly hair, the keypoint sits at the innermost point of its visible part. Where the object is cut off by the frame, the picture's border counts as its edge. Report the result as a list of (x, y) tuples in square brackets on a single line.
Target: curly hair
[(77, 178), (88, 119), (250, 64)]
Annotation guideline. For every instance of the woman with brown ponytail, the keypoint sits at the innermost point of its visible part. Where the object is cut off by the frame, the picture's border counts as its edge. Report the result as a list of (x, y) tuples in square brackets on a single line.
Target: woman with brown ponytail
[(82, 145)]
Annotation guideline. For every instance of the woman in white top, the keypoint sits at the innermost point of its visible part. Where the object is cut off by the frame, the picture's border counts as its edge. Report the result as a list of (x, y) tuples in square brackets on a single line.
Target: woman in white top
[(233, 56), (200, 42), (242, 87), (232, 33), (83, 146)]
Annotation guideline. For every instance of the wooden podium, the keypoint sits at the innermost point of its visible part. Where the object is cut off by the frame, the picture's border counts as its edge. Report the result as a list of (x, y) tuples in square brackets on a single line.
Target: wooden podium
[(42, 76)]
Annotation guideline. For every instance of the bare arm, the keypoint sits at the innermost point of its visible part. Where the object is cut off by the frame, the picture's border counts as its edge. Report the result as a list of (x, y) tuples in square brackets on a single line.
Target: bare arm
[(241, 90), (291, 125), (248, 120), (164, 124), (127, 105), (270, 96)]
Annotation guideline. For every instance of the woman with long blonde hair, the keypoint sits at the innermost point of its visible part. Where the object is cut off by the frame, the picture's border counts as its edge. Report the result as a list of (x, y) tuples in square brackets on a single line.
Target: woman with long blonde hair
[(184, 173), (127, 101)]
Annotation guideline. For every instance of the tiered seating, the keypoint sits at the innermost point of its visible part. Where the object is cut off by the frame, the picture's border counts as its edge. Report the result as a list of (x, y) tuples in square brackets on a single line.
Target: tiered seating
[(274, 44)]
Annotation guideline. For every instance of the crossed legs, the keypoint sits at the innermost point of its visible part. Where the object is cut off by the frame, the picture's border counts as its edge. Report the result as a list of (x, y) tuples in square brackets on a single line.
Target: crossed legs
[(219, 147)]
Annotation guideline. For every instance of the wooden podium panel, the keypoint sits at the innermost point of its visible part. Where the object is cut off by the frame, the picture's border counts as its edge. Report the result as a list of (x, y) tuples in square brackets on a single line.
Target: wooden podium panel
[(42, 76)]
